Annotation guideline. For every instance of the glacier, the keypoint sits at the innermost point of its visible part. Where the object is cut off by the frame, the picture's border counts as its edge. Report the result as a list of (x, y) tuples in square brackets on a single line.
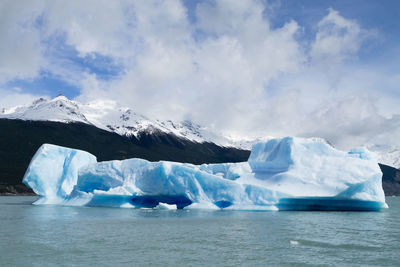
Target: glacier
[(288, 173)]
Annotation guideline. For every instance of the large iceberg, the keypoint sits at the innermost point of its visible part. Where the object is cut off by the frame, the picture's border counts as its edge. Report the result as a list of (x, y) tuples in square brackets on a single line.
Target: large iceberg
[(281, 174)]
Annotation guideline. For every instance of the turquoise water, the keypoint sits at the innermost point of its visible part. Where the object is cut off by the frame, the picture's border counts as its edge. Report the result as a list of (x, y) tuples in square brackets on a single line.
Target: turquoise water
[(81, 236)]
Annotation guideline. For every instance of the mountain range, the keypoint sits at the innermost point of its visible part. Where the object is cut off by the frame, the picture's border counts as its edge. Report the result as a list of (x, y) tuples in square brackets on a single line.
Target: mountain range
[(110, 131), (109, 116)]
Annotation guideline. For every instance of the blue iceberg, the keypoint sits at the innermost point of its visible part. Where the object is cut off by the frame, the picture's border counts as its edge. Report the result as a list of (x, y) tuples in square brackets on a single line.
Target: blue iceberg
[(281, 174)]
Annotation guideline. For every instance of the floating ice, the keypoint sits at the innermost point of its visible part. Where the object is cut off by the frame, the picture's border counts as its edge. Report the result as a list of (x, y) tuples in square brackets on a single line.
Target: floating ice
[(281, 174), (53, 171)]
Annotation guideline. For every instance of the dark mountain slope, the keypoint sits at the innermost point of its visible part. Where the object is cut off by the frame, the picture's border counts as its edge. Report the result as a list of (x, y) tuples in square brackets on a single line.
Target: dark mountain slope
[(390, 180), (20, 139)]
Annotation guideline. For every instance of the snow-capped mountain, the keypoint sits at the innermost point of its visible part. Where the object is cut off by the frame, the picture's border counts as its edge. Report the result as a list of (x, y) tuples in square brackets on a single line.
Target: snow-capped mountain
[(108, 115), (388, 155), (59, 109)]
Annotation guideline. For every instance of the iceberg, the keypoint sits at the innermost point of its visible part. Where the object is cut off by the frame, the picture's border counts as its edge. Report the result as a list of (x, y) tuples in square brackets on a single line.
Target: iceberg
[(281, 174), (53, 171)]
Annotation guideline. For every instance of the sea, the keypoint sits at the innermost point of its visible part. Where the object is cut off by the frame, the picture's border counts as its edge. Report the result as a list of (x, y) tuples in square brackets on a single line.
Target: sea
[(88, 236)]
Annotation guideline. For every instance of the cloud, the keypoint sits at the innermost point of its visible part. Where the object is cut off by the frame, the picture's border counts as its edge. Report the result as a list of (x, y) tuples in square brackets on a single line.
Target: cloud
[(11, 98), (20, 50), (351, 121), (336, 39), (215, 75), (222, 65), (93, 26)]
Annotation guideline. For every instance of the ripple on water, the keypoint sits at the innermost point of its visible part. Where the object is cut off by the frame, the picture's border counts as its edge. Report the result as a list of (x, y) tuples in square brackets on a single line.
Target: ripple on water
[(33, 235)]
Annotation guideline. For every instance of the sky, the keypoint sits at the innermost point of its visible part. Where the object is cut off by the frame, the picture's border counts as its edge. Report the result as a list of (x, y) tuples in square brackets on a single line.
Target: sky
[(248, 68)]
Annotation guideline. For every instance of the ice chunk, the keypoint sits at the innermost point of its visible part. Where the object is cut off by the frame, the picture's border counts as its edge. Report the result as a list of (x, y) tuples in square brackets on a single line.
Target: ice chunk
[(53, 171), (165, 206), (271, 157), (285, 174), (305, 168), (151, 183), (363, 153), (231, 171)]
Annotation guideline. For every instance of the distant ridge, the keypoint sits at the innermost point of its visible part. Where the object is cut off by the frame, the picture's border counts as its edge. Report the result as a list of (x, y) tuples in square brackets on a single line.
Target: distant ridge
[(108, 115)]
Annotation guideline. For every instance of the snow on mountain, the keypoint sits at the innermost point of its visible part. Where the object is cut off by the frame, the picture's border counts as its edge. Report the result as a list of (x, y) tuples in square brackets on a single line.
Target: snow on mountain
[(59, 109), (388, 155), (110, 116)]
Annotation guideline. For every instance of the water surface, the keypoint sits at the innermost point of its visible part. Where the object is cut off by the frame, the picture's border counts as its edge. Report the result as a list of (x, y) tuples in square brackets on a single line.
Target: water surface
[(82, 236)]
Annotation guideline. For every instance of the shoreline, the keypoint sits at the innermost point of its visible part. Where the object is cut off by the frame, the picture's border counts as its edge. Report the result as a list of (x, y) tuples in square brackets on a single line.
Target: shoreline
[(6, 194), (15, 190)]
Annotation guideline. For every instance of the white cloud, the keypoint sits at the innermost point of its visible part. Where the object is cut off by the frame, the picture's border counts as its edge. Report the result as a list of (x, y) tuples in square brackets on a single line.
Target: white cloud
[(217, 78), (337, 39), (20, 50), (92, 26), (227, 68), (12, 98)]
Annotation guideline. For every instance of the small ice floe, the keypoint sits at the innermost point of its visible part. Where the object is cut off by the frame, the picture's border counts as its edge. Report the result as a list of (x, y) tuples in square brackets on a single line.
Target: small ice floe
[(127, 206), (165, 206)]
